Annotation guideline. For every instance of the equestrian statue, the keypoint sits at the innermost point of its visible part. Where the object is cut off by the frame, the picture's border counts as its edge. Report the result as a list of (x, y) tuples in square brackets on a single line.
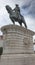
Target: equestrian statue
[(15, 15)]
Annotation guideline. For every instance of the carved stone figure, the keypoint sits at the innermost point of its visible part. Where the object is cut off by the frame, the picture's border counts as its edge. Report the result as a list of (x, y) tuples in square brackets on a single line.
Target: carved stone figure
[(15, 15)]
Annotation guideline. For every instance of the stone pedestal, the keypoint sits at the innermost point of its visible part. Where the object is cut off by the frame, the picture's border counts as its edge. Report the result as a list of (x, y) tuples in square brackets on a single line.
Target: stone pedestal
[(17, 45)]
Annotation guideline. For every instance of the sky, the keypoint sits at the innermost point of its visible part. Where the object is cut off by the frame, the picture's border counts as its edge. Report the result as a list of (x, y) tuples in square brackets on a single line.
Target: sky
[(27, 8)]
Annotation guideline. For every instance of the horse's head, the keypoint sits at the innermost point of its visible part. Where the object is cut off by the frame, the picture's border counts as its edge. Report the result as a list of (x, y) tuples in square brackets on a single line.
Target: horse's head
[(8, 8)]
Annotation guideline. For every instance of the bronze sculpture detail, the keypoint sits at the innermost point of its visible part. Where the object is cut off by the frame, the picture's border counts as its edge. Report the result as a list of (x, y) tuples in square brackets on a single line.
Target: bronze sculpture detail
[(15, 15)]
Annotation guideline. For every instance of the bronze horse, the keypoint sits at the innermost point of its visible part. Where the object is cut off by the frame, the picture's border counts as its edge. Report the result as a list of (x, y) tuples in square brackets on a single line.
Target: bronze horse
[(13, 17)]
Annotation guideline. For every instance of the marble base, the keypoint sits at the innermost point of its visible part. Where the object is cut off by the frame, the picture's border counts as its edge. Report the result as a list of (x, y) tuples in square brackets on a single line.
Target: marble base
[(18, 59), (17, 46)]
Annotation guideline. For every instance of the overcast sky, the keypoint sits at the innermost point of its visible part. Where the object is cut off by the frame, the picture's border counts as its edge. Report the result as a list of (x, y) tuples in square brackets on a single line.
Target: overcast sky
[(27, 10)]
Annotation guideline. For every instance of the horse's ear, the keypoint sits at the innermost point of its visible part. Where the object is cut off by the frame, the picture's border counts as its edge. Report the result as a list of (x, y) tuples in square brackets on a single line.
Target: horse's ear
[(6, 6)]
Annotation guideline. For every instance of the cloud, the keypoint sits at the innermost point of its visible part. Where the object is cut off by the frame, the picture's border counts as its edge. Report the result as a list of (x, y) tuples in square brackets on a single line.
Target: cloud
[(30, 22), (26, 5), (29, 7)]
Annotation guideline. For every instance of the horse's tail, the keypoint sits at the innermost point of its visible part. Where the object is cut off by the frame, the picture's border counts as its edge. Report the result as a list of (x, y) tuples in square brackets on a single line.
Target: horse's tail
[(9, 9)]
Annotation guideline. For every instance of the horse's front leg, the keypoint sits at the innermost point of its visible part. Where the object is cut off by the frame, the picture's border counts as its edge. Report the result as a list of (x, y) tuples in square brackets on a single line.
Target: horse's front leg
[(12, 19)]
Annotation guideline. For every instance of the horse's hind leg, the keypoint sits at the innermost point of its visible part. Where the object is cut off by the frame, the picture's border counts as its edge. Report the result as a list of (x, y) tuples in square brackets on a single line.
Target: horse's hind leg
[(13, 21), (20, 23), (24, 23)]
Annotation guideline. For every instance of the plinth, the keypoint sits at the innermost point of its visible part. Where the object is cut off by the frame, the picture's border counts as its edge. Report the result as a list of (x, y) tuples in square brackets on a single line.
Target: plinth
[(17, 45)]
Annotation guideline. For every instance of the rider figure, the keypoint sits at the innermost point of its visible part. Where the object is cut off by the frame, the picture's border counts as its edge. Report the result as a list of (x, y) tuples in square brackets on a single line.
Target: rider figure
[(17, 10)]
